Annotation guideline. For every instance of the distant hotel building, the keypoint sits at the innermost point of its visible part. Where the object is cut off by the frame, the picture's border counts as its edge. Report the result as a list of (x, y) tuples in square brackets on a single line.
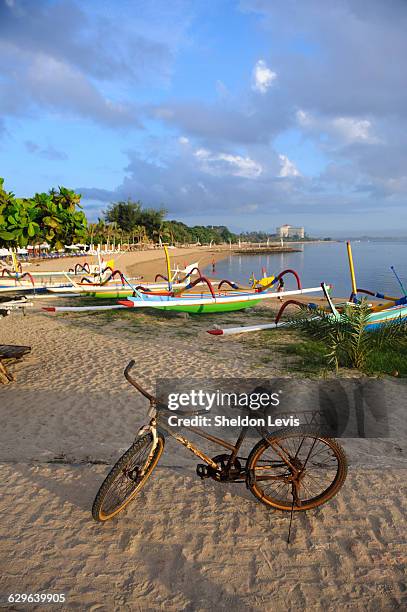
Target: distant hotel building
[(289, 231)]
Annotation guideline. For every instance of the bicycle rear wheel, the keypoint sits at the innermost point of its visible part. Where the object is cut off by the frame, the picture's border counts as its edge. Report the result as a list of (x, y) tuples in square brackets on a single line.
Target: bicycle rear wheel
[(127, 477), (318, 470)]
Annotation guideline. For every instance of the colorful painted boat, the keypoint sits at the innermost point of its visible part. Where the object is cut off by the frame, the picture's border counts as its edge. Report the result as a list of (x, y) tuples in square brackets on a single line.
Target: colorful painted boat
[(29, 289), (381, 314), (115, 290), (109, 288), (108, 291), (395, 314), (60, 282), (102, 277), (208, 302), (376, 320)]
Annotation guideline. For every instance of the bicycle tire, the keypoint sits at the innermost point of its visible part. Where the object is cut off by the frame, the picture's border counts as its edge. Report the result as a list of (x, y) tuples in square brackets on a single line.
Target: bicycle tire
[(286, 504), (121, 469)]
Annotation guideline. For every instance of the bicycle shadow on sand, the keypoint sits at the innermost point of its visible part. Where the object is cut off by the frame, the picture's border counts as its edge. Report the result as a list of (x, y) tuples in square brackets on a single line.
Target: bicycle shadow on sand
[(77, 485), (168, 565)]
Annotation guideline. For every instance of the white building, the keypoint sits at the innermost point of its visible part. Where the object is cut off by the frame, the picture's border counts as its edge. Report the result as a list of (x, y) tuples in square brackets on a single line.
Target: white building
[(289, 231)]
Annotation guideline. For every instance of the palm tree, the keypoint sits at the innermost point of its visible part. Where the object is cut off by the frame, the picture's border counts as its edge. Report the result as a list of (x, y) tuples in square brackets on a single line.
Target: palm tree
[(347, 339)]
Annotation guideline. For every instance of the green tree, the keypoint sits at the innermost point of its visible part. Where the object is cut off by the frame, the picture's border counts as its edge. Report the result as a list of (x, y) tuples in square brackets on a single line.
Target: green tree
[(152, 219), (60, 221), (125, 214), (129, 215), (18, 219), (49, 216)]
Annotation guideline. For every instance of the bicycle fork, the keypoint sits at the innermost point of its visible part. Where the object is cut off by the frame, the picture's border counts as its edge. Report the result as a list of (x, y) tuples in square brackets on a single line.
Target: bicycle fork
[(150, 428)]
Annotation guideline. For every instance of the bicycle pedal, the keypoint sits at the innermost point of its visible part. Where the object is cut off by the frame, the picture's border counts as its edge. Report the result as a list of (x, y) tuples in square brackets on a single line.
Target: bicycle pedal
[(202, 471)]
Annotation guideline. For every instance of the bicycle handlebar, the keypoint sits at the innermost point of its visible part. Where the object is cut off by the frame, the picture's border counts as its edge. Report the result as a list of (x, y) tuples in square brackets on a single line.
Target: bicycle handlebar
[(135, 384), (152, 398)]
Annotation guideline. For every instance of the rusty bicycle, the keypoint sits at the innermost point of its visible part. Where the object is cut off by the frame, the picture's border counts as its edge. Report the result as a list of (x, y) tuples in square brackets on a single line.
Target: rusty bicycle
[(289, 470)]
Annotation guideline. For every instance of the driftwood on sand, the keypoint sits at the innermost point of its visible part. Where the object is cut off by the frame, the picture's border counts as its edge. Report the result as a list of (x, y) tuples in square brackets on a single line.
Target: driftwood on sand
[(10, 352)]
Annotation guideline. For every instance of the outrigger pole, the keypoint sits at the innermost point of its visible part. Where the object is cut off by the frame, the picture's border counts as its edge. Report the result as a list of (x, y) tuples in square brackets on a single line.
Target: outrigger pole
[(218, 331), (399, 281), (167, 258), (352, 271)]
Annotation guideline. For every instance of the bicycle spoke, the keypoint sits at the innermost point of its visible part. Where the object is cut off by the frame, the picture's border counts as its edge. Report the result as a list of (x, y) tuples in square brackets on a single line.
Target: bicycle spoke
[(127, 480), (312, 467)]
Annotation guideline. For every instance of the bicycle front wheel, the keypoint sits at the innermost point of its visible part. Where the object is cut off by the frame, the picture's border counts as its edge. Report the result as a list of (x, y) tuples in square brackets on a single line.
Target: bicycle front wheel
[(296, 471), (127, 477)]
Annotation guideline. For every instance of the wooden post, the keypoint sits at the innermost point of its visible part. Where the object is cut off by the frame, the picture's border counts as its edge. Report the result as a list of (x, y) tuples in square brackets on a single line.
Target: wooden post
[(5, 376)]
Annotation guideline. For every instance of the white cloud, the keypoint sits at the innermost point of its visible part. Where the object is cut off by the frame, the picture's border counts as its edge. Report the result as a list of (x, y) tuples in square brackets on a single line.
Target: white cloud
[(183, 140), (202, 153), (346, 130), (353, 130), (263, 77), (288, 168), (304, 118), (62, 87), (225, 163)]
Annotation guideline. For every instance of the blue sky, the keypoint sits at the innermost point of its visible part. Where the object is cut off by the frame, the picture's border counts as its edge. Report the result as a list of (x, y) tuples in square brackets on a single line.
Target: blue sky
[(248, 113)]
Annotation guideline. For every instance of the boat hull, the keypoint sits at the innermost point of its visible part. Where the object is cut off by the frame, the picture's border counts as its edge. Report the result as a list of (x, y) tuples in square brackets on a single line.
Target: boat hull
[(397, 314), (109, 295), (206, 303), (208, 308)]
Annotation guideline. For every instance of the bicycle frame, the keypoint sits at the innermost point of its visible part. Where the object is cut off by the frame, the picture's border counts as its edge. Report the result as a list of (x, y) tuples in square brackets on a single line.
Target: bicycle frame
[(234, 448), (156, 425)]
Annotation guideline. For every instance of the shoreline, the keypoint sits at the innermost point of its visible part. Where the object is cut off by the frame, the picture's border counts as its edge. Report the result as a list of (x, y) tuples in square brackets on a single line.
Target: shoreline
[(138, 263), (150, 262)]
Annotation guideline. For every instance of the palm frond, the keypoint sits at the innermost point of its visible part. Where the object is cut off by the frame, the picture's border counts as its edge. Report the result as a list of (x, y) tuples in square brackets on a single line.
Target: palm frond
[(391, 334), (348, 341)]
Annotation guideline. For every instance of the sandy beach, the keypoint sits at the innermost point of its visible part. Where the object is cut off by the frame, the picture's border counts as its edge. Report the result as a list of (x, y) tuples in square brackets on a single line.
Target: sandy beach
[(146, 263), (183, 544), (220, 425)]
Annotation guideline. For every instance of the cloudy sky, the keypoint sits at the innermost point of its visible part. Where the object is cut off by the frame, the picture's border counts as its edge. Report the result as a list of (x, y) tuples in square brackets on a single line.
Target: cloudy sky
[(249, 113)]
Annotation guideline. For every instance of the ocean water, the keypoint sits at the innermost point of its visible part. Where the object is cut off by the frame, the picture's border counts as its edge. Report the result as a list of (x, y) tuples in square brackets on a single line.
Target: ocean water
[(326, 262)]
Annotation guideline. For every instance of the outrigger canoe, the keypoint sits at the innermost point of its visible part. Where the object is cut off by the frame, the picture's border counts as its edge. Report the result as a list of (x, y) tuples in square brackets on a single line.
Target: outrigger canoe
[(389, 315), (381, 314), (397, 314), (116, 290), (208, 302)]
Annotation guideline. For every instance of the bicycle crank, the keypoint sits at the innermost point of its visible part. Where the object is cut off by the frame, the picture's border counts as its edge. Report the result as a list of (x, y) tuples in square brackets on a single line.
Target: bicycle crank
[(222, 473)]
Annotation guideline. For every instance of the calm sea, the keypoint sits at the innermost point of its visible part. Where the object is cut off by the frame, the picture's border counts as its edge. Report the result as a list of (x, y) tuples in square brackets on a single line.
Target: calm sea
[(327, 262)]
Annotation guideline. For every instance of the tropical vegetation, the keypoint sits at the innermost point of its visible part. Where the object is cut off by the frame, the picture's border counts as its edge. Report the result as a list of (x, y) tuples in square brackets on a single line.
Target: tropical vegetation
[(54, 217), (131, 221), (57, 218), (346, 342)]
